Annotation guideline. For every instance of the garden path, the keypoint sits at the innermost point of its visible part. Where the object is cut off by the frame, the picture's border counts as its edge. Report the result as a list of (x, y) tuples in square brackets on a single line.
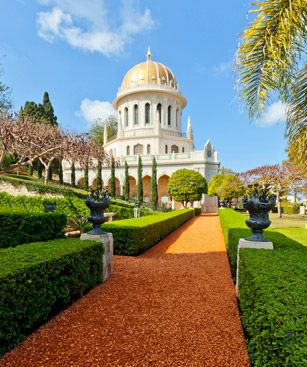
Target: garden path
[(173, 306)]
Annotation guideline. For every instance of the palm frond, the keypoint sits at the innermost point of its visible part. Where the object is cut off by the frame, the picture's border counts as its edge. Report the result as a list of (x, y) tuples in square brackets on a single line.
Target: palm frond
[(267, 57)]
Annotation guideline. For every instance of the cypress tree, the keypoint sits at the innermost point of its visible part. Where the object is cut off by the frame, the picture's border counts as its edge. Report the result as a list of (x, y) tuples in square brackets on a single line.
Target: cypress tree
[(140, 181), (73, 175), (112, 179), (31, 170), (60, 172), (126, 184), (86, 181), (99, 176), (154, 186), (49, 173), (39, 170), (49, 115)]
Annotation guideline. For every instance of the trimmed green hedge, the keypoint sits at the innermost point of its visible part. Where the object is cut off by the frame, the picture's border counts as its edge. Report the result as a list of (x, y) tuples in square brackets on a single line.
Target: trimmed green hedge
[(197, 211), (134, 236), (19, 228), (70, 205), (272, 285), (39, 279)]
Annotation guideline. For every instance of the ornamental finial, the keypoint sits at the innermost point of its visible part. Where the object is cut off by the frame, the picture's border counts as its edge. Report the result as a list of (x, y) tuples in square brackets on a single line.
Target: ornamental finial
[(148, 55)]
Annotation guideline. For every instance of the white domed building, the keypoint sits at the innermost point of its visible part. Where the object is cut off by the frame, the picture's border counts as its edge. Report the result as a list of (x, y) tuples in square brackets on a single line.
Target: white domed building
[(149, 107)]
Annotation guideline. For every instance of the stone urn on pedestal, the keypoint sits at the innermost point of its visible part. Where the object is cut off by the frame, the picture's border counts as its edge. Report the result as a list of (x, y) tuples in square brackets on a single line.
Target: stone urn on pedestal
[(97, 202), (259, 203)]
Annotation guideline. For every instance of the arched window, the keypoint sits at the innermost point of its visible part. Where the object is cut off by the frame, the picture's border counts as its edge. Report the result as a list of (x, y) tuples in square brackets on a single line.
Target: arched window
[(120, 117), (169, 115), (147, 113), (126, 116), (177, 117), (159, 111), (209, 152), (182, 149), (148, 149), (174, 149), (138, 149), (166, 149), (128, 150), (136, 114)]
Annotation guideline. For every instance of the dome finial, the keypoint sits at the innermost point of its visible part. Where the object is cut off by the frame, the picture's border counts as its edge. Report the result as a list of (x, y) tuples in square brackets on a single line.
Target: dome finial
[(148, 55)]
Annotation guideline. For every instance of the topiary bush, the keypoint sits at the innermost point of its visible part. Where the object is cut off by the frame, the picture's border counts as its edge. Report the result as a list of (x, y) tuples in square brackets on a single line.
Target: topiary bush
[(39, 279), (272, 288), (18, 228), (134, 236)]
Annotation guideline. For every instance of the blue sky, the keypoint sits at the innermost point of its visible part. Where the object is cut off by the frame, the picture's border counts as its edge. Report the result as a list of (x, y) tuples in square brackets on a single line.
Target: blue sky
[(79, 51)]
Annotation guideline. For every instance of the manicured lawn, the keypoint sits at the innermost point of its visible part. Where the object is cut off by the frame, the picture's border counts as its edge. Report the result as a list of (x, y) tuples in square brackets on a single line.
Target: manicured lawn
[(287, 220), (297, 234)]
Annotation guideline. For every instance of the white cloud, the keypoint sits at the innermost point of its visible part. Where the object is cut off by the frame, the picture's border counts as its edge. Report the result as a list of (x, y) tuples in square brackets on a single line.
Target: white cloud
[(223, 68), (87, 25), (274, 114), (95, 111)]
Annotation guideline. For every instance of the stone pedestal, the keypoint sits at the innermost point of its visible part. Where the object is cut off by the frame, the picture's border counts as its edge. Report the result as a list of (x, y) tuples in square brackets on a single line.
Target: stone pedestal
[(243, 243), (107, 259)]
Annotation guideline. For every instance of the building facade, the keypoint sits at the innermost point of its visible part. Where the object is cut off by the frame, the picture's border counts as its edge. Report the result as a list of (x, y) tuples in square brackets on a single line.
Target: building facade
[(149, 107)]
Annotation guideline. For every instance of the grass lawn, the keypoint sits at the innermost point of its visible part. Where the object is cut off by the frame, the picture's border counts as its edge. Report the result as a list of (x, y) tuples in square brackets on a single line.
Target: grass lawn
[(297, 234), (287, 220)]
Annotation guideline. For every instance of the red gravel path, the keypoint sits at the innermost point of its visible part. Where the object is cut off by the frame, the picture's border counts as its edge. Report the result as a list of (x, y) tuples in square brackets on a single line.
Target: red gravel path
[(173, 306)]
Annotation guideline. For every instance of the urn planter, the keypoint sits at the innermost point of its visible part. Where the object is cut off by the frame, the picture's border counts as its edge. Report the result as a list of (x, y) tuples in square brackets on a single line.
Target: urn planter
[(259, 203), (97, 202)]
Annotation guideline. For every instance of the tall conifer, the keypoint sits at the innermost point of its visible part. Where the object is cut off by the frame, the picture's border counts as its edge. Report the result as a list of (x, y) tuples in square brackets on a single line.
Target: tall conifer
[(86, 180), (154, 186), (99, 176), (126, 184), (112, 179), (73, 175), (140, 181)]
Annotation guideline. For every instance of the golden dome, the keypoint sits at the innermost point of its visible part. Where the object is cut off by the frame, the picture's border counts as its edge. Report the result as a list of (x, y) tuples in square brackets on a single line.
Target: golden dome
[(149, 73)]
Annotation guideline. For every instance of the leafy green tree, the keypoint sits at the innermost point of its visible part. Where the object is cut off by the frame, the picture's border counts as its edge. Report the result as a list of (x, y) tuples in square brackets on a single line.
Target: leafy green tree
[(42, 112), (187, 186), (99, 175), (97, 129), (154, 184), (140, 181), (73, 175), (126, 184), (31, 170), (231, 188), (112, 180), (268, 61), (215, 184)]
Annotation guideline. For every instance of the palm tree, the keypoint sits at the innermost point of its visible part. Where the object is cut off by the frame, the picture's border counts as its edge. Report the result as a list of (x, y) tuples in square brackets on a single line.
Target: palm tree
[(268, 60)]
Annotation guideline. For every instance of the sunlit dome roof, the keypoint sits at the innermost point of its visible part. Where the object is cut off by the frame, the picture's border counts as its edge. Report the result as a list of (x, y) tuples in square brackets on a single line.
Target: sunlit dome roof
[(149, 73)]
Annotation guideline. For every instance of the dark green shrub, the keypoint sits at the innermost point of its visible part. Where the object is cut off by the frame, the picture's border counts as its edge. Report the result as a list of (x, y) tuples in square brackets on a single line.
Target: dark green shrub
[(272, 288), (134, 236), (197, 211), (19, 228), (39, 279)]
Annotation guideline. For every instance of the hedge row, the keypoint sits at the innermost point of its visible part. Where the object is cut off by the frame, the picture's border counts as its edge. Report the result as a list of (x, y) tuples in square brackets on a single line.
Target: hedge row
[(19, 228), (234, 228), (39, 279), (134, 236), (273, 285), (70, 205)]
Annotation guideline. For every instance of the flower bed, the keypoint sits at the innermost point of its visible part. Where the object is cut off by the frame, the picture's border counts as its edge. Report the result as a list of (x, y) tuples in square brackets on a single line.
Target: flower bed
[(134, 236), (39, 279)]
